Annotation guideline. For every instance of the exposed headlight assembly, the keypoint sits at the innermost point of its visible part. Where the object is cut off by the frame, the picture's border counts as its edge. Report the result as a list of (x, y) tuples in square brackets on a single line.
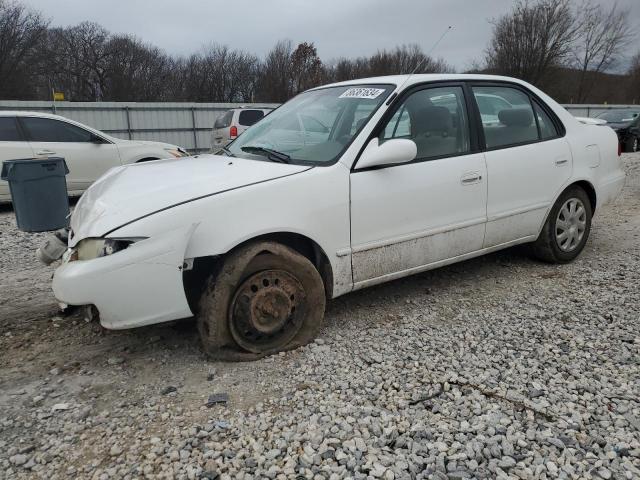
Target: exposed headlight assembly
[(91, 248)]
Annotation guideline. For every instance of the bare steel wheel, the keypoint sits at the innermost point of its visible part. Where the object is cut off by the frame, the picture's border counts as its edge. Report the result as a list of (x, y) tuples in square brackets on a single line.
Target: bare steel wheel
[(566, 230), (265, 298), (571, 224), (266, 310)]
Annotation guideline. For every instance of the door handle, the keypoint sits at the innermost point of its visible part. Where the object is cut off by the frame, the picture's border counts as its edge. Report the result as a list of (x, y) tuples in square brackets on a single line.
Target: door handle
[(561, 161), (470, 178), (45, 152)]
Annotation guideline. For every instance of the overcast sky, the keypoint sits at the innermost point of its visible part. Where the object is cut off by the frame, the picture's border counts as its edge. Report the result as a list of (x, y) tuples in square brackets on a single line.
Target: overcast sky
[(338, 28)]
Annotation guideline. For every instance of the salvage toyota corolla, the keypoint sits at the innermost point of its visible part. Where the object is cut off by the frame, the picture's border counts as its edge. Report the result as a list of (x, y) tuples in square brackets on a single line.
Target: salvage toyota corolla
[(342, 187)]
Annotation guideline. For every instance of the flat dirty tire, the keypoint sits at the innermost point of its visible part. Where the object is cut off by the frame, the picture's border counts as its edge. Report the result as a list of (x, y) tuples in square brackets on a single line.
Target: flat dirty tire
[(566, 229), (266, 298)]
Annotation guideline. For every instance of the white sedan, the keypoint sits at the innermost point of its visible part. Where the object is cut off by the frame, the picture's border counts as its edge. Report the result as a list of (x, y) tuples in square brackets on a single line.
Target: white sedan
[(255, 242), (88, 153)]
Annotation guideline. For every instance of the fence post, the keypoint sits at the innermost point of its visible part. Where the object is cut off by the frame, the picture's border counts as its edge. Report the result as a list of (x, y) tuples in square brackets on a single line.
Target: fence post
[(126, 109), (195, 132)]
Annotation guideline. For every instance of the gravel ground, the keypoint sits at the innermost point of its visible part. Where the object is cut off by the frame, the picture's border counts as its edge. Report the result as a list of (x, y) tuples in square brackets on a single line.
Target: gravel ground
[(499, 367)]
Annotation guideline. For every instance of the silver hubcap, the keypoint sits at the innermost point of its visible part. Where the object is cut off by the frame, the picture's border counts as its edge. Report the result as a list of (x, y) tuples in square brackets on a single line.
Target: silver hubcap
[(635, 145), (571, 224)]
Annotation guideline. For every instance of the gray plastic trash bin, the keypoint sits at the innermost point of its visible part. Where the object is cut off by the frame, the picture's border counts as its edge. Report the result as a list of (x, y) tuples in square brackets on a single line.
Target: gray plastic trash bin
[(38, 192)]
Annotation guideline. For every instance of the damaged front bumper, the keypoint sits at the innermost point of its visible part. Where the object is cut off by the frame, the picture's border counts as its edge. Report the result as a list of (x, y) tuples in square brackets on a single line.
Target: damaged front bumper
[(138, 286)]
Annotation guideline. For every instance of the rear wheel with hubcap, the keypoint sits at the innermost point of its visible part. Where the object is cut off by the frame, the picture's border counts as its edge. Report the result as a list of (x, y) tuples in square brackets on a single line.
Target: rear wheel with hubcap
[(566, 229), (632, 145)]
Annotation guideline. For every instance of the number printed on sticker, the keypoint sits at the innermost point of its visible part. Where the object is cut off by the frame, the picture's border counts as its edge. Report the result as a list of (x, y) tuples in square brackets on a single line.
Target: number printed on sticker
[(362, 92)]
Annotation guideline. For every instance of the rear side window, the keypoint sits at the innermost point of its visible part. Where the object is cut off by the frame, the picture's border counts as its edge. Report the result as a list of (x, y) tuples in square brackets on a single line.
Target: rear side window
[(50, 130), (249, 117), (9, 130), (507, 116), (547, 128), (224, 121)]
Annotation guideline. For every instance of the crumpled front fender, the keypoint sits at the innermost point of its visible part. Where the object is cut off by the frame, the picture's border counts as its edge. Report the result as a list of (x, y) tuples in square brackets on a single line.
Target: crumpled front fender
[(138, 286)]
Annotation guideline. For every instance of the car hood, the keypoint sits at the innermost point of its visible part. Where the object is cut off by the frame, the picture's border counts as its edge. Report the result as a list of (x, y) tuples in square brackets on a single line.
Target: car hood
[(127, 193)]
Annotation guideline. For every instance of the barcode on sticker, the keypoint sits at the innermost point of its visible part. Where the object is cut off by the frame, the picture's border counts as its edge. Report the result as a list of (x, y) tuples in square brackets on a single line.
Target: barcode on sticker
[(362, 92)]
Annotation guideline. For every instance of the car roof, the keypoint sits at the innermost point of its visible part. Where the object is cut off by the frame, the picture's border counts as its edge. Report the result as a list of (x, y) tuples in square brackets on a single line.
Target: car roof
[(409, 79), (26, 113)]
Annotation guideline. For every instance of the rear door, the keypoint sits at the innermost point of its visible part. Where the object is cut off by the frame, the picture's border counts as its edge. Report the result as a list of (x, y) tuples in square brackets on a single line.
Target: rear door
[(528, 161), (13, 146), (86, 158)]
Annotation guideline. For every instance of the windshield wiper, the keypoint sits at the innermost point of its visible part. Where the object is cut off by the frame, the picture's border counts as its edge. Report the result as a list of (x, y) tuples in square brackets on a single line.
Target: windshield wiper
[(227, 151), (273, 155)]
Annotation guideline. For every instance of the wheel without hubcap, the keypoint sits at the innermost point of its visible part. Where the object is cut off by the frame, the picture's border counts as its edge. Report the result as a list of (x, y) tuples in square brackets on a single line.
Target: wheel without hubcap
[(265, 298), (571, 224), (265, 311)]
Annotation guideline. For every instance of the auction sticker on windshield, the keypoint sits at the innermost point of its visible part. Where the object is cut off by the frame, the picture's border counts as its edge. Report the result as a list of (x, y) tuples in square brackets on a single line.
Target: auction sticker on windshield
[(362, 93)]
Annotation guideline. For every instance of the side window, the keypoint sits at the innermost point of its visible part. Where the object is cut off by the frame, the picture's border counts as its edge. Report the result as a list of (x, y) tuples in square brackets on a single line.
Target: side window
[(49, 130), (9, 130), (249, 117), (224, 121), (547, 128), (507, 116), (435, 119), (399, 126)]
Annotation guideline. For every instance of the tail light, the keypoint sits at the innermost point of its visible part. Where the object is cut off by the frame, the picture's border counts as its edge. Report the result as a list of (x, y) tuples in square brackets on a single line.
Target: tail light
[(619, 148), (233, 131)]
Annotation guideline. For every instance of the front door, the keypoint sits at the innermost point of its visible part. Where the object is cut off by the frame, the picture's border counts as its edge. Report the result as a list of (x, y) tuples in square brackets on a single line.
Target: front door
[(409, 217), (87, 159), (12, 147)]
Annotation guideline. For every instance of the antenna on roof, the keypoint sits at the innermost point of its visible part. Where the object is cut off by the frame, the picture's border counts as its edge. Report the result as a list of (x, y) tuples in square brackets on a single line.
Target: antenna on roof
[(421, 62)]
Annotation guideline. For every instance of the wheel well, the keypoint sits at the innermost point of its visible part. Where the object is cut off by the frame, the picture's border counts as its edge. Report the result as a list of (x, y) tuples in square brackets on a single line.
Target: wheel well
[(147, 159), (590, 191), (195, 279), (305, 247)]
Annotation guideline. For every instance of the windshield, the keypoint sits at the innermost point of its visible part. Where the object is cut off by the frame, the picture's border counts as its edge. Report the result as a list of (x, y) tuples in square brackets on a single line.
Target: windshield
[(619, 117), (314, 127)]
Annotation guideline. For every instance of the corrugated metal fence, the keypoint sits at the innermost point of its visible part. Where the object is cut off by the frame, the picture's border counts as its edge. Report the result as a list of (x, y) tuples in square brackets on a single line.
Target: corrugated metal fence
[(185, 124)]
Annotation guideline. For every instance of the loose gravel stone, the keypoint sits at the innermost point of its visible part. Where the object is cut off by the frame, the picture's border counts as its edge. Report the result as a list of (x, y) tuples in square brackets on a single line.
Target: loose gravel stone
[(499, 367)]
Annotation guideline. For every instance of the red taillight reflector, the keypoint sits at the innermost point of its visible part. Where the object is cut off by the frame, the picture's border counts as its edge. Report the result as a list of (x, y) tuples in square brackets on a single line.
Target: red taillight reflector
[(233, 131), (619, 148)]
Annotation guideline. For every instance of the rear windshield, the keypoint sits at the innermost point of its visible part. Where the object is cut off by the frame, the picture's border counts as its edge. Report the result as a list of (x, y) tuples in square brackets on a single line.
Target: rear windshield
[(249, 117), (224, 121)]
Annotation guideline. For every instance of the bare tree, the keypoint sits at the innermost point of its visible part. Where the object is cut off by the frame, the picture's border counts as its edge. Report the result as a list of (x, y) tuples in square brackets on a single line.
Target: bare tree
[(22, 32), (274, 83), (78, 59), (306, 68), (602, 35), (402, 59), (136, 71), (532, 39)]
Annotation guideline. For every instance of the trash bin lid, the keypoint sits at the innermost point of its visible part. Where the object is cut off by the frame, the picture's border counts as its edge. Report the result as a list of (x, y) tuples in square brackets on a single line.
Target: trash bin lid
[(33, 168)]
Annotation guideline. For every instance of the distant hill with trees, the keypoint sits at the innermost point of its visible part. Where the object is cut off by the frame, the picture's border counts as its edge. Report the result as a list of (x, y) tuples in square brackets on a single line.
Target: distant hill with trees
[(567, 48)]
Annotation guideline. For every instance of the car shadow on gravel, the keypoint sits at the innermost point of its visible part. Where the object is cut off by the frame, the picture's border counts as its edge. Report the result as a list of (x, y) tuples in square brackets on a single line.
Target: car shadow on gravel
[(182, 335)]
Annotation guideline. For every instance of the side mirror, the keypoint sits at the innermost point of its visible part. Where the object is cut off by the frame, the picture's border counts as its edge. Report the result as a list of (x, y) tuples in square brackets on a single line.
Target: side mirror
[(391, 152)]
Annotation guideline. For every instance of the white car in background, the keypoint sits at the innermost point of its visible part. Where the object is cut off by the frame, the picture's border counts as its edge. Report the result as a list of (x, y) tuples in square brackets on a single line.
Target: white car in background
[(235, 121), (255, 242), (88, 153)]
